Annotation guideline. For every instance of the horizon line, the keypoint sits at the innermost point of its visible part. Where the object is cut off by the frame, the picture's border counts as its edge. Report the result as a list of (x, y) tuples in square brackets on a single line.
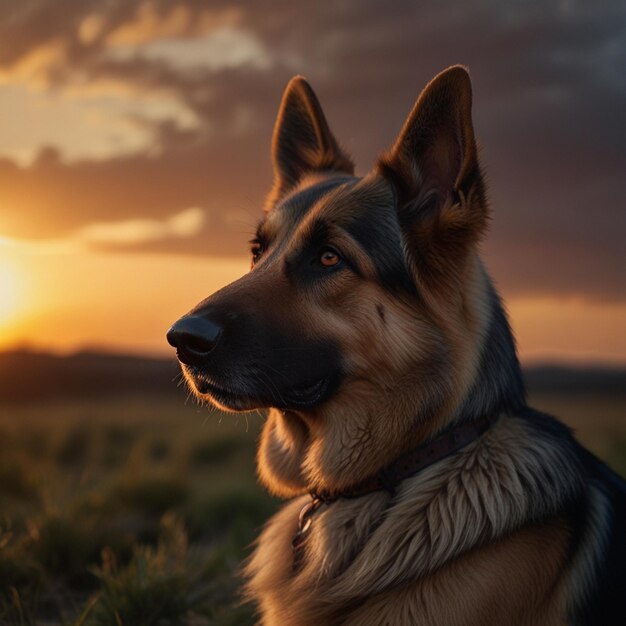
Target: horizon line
[(533, 361)]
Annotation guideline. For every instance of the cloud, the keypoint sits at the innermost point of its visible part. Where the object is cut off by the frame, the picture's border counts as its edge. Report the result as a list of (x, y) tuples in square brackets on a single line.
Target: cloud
[(151, 23), (224, 47), (34, 66), (131, 232), (116, 235), (100, 122)]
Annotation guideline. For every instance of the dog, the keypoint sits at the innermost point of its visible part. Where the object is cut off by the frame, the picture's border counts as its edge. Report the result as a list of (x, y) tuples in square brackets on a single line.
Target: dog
[(423, 489)]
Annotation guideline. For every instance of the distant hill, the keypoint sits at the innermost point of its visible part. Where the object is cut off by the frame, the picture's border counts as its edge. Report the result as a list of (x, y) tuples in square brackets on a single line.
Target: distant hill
[(575, 380), (36, 376)]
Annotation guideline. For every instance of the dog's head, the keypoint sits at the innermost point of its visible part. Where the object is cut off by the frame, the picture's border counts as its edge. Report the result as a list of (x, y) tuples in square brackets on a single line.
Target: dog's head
[(361, 319)]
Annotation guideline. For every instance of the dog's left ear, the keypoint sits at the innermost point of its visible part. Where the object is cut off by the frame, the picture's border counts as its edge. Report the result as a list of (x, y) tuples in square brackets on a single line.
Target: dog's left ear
[(434, 169), (302, 141)]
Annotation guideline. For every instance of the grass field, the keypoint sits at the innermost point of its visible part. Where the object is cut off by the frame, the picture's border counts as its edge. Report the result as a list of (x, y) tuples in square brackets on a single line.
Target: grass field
[(131, 512), (138, 511)]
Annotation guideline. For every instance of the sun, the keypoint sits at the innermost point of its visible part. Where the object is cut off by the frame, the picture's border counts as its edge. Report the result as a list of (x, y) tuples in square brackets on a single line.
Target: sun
[(11, 293)]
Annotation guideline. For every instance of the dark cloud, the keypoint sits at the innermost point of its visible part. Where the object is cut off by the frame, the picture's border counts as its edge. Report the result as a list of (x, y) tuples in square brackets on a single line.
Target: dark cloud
[(549, 102)]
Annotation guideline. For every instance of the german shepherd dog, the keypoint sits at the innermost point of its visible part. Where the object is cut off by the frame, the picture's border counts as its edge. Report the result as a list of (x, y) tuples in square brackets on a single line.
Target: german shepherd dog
[(423, 488)]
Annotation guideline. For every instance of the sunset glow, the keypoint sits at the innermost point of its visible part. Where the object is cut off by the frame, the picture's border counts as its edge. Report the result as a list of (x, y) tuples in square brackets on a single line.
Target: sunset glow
[(120, 302), (64, 300), (136, 156), (12, 294)]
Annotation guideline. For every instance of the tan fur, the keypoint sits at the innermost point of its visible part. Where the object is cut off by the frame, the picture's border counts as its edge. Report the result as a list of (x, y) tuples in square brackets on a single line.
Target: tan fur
[(462, 505), (485, 592)]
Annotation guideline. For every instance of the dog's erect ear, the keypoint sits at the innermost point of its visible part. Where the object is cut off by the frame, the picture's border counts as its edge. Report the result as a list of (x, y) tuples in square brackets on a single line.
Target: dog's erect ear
[(302, 141), (434, 168), (435, 152)]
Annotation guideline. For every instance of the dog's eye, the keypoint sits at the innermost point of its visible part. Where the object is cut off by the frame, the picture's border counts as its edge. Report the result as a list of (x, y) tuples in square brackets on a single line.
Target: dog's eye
[(256, 254), (329, 258), (256, 251)]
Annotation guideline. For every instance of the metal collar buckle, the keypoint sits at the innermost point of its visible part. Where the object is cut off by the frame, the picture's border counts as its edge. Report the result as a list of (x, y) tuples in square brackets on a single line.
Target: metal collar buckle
[(304, 526)]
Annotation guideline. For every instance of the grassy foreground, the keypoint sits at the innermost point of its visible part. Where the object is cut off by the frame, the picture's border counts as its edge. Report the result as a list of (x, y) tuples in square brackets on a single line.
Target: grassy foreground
[(130, 512), (138, 512)]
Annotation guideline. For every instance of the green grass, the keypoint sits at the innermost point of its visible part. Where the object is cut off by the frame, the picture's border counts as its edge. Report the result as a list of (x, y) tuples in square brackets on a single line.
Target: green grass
[(158, 586), (126, 513), (134, 512)]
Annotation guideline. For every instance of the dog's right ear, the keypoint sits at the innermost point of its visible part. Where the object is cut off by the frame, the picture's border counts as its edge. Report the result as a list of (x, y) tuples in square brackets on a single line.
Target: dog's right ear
[(302, 141)]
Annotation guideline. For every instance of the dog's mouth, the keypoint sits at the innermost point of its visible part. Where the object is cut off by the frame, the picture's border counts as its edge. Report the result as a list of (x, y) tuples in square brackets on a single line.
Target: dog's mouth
[(308, 395), (224, 396)]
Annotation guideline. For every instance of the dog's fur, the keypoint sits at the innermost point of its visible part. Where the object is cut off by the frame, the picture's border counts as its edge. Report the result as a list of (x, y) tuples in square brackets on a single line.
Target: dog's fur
[(396, 336)]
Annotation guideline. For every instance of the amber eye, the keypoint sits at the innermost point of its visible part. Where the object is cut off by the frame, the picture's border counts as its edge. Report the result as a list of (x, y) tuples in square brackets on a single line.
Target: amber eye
[(256, 251), (329, 258)]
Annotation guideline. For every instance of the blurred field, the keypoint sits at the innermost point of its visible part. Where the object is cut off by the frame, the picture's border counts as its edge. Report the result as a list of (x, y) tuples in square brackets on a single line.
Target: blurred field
[(129, 511), (138, 509)]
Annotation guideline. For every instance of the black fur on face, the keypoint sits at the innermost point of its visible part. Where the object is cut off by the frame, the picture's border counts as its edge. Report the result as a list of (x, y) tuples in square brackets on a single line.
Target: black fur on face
[(267, 353), (257, 363)]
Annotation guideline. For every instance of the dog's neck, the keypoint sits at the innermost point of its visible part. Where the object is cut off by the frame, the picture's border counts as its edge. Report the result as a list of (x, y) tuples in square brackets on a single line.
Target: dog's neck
[(413, 461), (390, 477), (498, 385)]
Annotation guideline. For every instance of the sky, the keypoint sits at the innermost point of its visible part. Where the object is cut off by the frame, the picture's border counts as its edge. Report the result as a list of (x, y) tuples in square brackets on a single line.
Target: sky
[(135, 152)]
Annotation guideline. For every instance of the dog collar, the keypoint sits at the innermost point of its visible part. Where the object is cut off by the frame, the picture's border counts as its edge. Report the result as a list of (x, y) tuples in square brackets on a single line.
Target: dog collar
[(408, 464)]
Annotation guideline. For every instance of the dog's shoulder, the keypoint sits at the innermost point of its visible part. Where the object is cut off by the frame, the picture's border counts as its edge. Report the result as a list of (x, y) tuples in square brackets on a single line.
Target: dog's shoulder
[(603, 525), (596, 517), (527, 492)]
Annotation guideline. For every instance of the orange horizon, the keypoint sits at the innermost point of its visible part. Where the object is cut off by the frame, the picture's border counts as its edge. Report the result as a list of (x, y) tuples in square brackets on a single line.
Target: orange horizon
[(67, 301)]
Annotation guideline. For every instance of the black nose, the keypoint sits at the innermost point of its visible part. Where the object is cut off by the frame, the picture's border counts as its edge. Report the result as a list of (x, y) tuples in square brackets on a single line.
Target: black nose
[(193, 338)]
